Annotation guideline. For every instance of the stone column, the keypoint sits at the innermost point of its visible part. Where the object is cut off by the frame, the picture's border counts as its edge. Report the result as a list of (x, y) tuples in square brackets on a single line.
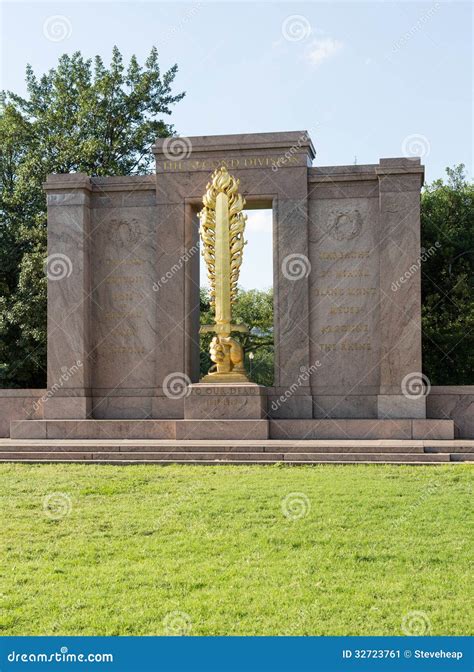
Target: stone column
[(292, 269), (68, 272), (400, 289), (273, 170)]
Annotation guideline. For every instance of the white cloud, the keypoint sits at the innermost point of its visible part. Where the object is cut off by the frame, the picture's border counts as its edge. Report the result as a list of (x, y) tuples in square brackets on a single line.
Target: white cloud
[(259, 221), (321, 50)]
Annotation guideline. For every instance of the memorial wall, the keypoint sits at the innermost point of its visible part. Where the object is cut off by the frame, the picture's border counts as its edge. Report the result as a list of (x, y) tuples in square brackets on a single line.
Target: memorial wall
[(128, 306)]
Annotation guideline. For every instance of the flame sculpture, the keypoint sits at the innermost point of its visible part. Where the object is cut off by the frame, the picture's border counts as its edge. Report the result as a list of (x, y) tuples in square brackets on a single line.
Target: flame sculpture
[(222, 234)]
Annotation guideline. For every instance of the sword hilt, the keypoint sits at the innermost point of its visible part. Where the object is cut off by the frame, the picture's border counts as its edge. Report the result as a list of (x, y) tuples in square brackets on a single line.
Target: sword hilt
[(221, 329)]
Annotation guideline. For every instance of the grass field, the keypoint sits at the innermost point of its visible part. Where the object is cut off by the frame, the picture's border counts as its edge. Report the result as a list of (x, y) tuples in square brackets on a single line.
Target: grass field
[(235, 550)]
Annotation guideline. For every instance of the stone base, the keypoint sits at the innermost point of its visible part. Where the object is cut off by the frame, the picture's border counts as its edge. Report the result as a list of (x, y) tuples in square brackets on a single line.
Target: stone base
[(217, 378), (399, 406), (362, 429), (239, 429), (67, 408), (139, 429), (225, 401)]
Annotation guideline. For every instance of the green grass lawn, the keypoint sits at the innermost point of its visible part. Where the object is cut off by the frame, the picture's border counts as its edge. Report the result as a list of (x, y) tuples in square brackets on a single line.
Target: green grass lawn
[(151, 550)]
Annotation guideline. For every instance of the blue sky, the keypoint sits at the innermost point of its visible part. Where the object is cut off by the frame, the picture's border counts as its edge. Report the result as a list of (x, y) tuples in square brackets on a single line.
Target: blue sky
[(363, 78)]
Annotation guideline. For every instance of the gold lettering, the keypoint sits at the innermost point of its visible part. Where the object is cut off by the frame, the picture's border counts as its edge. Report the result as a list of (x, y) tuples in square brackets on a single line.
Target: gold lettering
[(343, 310), (344, 328), (340, 256)]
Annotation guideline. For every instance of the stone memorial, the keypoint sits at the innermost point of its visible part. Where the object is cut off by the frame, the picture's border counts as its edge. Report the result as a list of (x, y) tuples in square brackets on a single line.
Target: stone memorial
[(123, 297)]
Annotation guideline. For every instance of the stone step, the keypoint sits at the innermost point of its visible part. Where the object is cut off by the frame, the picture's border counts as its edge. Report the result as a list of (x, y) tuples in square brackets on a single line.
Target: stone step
[(462, 457), (228, 458), (268, 446), (362, 429), (464, 446)]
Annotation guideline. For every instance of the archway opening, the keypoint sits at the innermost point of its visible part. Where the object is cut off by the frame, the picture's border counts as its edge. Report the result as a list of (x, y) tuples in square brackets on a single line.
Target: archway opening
[(254, 305)]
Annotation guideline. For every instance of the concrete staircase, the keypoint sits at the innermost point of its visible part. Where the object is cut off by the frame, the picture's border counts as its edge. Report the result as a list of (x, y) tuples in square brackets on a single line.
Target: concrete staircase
[(248, 451)]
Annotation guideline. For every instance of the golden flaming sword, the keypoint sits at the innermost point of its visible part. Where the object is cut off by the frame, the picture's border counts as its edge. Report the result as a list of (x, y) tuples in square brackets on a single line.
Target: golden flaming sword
[(222, 234)]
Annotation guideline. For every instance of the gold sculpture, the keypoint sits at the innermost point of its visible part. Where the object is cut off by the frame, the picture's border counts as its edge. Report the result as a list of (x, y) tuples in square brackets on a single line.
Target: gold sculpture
[(222, 234)]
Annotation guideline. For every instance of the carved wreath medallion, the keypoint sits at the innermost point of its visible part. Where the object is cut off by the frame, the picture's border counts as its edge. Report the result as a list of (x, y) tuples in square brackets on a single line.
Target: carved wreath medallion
[(344, 224)]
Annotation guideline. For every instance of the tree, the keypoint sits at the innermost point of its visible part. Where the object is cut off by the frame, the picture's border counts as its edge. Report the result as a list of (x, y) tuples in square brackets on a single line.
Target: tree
[(255, 309), (447, 226), (79, 117)]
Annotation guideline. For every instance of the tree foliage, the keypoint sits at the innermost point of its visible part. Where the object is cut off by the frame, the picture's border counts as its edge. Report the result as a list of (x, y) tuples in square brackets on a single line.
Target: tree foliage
[(81, 116), (447, 218)]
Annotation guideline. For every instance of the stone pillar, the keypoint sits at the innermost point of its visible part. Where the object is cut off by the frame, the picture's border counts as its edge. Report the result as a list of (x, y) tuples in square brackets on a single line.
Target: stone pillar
[(273, 172), (292, 269), (400, 289), (68, 272)]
